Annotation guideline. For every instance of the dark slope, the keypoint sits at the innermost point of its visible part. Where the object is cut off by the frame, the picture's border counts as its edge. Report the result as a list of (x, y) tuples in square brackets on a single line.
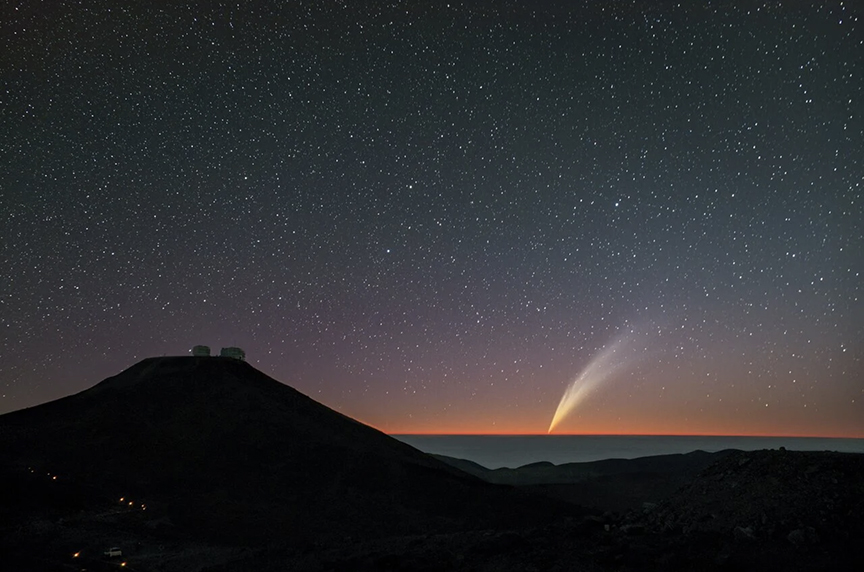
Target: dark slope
[(229, 454), (548, 473), (610, 484), (760, 511)]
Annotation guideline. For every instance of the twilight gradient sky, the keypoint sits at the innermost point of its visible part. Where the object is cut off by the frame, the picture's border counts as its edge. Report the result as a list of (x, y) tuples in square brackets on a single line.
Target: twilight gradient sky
[(434, 216)]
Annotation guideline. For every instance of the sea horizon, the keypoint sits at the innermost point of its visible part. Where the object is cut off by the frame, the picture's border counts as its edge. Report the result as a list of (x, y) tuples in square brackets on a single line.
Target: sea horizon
[(497, 450), (761, 435)]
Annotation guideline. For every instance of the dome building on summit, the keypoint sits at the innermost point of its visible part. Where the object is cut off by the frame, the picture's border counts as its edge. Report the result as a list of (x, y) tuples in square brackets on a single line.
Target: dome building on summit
[(233, 352), (230, 352)]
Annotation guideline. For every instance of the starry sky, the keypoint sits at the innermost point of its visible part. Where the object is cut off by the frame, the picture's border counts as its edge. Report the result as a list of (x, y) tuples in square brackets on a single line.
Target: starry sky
[(436, 216)]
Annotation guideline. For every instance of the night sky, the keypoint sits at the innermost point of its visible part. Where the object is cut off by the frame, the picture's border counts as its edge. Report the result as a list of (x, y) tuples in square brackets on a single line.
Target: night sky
[(435, 216)]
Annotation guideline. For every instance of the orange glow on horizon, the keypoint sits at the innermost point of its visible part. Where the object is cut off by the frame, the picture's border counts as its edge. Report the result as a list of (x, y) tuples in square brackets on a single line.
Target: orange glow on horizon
[(672, 417), (624, 434), (608, 429), (630, 421)]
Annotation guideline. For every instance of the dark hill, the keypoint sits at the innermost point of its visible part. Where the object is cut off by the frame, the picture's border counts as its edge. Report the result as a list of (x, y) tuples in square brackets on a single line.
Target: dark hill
[(225, 453), (569, 473), (610, 484)]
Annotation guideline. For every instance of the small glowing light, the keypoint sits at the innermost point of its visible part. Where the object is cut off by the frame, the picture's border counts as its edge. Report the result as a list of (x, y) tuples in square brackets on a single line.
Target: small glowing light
[(54, 478), (122, 499), (122, 564), (76, 555), (131, 503)]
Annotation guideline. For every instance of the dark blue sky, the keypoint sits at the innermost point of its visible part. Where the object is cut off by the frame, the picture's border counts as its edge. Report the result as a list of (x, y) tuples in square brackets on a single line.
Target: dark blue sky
[(433, 216)]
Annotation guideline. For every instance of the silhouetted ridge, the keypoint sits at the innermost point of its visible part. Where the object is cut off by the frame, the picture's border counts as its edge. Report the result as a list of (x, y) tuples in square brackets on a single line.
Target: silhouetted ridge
[(216, 441)]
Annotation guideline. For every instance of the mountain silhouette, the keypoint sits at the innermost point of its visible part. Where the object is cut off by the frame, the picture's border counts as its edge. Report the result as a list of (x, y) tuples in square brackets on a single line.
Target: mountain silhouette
[(222, 468), (225, 453)]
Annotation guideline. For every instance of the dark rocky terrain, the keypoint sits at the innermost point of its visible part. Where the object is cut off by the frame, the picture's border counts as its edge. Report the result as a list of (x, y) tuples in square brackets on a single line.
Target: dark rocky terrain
[(208, 464), (771, 510)]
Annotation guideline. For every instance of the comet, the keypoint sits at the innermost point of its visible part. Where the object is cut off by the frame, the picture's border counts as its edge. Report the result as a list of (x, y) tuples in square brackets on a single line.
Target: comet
[(610, 361)]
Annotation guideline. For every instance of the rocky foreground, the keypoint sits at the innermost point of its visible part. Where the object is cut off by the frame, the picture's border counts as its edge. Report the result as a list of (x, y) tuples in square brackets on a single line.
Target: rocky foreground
[(764, 510)]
